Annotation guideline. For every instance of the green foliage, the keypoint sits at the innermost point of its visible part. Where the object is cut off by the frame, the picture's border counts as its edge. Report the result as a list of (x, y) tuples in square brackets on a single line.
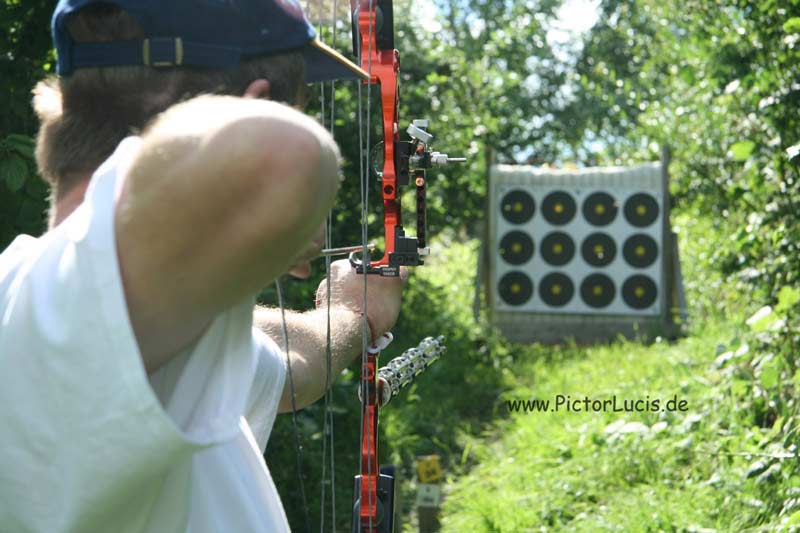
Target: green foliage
[(718, 83), (25, 57), (728, 463)]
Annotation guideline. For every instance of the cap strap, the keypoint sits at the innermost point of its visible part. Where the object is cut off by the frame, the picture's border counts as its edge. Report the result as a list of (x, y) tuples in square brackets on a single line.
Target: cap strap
[(154, 52)]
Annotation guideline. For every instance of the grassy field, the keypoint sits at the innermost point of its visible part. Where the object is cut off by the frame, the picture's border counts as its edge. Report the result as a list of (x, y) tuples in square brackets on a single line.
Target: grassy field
[(708, 467)]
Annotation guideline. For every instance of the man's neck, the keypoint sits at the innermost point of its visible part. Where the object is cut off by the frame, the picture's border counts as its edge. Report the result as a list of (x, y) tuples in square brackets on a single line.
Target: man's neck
[(68, 201)]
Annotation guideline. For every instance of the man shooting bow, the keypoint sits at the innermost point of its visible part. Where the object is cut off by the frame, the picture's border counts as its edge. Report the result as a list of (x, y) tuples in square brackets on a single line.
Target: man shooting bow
[(135, 392)]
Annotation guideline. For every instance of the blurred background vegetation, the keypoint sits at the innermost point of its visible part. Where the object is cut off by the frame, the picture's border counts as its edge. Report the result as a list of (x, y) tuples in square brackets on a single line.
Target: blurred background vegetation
[(719, 82)]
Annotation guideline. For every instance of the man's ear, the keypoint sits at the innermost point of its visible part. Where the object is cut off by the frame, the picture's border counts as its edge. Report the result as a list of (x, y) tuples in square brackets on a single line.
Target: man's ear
[(257, 89)]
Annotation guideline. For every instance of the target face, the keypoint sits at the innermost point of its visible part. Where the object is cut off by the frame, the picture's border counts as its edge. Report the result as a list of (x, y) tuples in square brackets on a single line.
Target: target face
[(515, 288), (556, 289), (641, 210), (516, 247), (564, 242), (557, 248), (598, 249), (558, 208), (639, 291), (597, 291), (518, 206), (640, 250), (600, 209)]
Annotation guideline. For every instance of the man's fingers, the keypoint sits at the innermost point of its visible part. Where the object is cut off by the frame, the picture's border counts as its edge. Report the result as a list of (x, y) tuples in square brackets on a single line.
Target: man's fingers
[(404, 275)]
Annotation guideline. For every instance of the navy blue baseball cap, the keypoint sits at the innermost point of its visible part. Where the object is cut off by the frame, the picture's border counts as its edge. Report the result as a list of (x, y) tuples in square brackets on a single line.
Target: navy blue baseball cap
[(203, 33)]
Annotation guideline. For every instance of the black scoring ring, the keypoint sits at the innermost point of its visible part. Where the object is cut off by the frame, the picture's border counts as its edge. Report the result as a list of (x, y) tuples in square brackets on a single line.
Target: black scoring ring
[(639, 292), (597, 290), (515, 288), (556, 289), (516, 247), (640, 250), (557, 248), (641, 210), (598, 249), (558, 208), (600, 209), (517, 206)]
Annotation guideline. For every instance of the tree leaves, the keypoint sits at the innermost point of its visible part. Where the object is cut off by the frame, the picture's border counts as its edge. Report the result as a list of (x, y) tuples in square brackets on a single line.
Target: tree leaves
[(742, 150), (13, 171), (23, 144), (788, 297), (792, 25)]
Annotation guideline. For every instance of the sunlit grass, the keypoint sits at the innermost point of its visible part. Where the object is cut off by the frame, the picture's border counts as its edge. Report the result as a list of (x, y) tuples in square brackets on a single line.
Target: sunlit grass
[(622, 471)]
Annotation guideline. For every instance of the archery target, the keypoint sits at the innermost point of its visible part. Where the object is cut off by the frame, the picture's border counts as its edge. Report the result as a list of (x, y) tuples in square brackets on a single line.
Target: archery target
[(641, 210), (558, 208), (597, 291), (598, 249), (556, 289), (557, 248), (518, 206), (582, 242), (639, 291), (516, 288), (640, 250), (516, 247), (600, 209)]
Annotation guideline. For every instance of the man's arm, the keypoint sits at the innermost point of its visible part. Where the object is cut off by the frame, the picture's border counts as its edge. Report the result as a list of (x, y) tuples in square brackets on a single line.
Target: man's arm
[(307, 334), (217, 204), (307, 331)]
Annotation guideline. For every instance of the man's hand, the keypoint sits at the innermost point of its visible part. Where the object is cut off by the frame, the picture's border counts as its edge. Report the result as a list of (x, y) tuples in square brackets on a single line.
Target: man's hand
[(347, 291), (308, 331)]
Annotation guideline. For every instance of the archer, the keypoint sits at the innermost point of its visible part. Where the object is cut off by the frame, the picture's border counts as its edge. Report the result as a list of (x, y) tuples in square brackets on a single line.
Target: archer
[(135, 392)]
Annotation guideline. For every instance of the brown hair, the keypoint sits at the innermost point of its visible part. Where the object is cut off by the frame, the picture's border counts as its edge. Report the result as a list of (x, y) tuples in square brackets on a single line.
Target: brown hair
[(84, 116)]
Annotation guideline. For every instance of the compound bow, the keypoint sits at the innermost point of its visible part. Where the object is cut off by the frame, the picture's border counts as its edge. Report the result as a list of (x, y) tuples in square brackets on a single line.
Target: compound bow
[(373, 43)]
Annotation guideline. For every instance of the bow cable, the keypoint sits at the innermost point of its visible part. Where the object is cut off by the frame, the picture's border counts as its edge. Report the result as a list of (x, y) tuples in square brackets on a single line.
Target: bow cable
[(327, 428), (364, 145)]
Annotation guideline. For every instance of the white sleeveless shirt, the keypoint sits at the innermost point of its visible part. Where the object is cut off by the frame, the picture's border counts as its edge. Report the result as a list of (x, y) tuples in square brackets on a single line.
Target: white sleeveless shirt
[(90, 443)]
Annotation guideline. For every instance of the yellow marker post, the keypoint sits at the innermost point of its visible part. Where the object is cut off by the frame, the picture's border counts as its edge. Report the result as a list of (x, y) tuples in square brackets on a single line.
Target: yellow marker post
[(429, 494)]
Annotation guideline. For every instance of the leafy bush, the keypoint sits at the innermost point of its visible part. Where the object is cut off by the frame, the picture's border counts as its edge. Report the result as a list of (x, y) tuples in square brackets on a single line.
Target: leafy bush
[(718, 82)]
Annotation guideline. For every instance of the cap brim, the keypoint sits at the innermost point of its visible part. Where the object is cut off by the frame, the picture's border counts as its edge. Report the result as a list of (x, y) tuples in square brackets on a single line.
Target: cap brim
[(323, 63)]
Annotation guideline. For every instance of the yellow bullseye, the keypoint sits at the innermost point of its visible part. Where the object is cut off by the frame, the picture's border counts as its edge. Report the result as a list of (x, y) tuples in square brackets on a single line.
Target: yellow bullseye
[(518, 207), (597, 290), (599, 249), (640, 251), (558, 208), (599, 209), (639, 292), (516, 288), (556, 289), (641, 210), (558, 248), (516, 247)]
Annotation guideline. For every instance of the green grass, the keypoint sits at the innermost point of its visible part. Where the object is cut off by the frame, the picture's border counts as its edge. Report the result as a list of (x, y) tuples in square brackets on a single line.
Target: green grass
[(630, 471)]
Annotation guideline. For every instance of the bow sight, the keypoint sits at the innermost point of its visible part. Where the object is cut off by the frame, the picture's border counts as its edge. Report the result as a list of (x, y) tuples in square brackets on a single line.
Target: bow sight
[(412, 157), (397, 161)]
